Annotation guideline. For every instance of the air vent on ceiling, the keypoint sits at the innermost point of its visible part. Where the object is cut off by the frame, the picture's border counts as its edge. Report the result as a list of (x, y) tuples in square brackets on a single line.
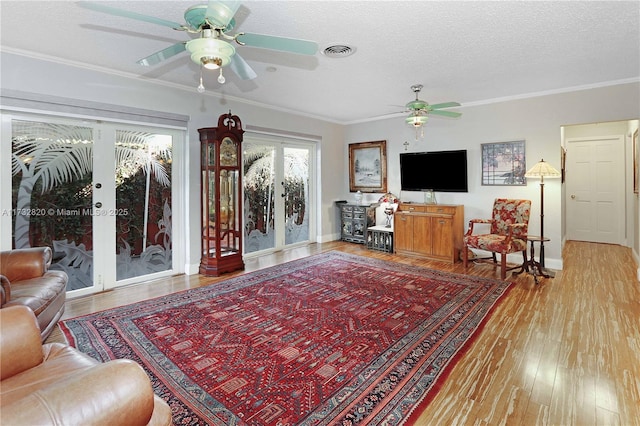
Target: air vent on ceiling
[(339, 51)]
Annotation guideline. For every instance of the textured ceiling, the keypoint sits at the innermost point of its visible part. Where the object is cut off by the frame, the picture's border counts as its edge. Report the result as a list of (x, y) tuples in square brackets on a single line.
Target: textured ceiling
[(470, 52)]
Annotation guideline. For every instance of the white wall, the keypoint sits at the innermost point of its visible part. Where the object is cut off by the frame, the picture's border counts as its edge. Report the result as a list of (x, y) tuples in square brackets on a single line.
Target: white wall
[(536, 120), (54, 79)]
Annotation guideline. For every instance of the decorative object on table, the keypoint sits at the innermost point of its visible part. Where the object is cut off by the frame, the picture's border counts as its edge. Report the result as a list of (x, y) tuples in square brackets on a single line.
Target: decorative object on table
[(390, 203), (368, 166), (503, 163), (221, 196), (358, 197), (391, 382), (541, 170), (508, 228), (430, 197), (212, 50)]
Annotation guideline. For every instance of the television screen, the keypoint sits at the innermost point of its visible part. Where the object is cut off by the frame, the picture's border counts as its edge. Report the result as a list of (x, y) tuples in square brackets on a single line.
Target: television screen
[(443, 171)]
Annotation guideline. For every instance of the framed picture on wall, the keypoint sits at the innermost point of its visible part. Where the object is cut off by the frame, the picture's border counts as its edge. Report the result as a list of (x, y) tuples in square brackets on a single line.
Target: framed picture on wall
[(368, 166), (503, 163)]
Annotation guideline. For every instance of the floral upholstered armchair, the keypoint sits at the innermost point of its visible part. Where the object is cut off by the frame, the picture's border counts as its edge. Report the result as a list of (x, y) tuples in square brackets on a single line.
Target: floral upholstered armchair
[(508, 229)]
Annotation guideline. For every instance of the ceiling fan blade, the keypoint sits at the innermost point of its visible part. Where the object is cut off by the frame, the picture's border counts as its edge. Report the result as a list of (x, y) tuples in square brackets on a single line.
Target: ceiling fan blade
[(127, 14), (444, 105), (242, 68), (220, 13), (160, 56), (301, 47), (452, 114)]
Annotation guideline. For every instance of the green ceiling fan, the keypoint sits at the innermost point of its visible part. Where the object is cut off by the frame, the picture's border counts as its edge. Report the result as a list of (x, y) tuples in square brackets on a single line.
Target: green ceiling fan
[(213, 48), (419, 110)]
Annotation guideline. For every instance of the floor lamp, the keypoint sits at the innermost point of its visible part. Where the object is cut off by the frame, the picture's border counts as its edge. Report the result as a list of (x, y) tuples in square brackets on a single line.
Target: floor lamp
[(541, 170)]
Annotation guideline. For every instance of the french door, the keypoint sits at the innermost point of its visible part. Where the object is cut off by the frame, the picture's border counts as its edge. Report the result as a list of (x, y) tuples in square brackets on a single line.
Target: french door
[(278, 194), (99, 194)]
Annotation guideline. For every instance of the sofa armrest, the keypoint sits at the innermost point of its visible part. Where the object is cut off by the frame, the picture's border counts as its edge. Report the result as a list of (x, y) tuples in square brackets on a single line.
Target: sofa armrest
[(5, 290), (116, 392), (23, 264), (20, 342)]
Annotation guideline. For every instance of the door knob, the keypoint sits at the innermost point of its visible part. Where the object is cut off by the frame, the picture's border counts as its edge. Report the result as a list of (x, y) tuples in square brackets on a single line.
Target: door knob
[(573, 197)]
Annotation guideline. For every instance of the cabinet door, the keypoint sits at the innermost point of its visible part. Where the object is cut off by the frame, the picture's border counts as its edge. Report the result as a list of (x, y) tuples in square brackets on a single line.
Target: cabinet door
[(422, 235), (347, 221), (403, 232), (442, 238)]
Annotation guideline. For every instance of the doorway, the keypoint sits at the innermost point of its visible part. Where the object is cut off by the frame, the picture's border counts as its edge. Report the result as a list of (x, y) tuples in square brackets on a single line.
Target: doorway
[(595, 183), (99, 194), (278, 193)]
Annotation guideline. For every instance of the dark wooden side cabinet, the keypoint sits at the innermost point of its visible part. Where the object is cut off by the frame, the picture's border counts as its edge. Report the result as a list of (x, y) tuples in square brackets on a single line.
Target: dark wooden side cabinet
[(354, 221), (432, 231)]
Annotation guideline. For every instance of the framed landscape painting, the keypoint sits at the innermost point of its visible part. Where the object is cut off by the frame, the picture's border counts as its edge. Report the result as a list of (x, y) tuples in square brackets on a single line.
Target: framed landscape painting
[(368, 166), (503, 163)]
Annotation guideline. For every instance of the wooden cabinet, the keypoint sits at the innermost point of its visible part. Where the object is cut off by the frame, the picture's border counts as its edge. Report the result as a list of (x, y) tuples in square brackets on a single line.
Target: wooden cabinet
[(433, 231), (354, 221)]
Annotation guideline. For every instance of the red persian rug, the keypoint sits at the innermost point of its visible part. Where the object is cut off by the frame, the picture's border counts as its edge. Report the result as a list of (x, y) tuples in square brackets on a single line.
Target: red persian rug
[(329, 339)]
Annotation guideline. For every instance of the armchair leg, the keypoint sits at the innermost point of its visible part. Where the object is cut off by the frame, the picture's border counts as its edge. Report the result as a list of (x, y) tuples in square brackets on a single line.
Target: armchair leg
[(503, 265)]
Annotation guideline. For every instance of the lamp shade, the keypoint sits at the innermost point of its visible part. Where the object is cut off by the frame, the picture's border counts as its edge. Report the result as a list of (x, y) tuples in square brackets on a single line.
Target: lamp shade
[(388, 198), (542, 170)]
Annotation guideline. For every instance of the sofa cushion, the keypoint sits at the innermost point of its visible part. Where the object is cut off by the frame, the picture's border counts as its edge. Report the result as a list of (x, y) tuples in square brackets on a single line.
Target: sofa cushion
[(59, 361)]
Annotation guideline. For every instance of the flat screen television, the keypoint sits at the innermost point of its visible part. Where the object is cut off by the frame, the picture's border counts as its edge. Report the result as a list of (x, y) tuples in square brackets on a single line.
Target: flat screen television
[(442, 171)]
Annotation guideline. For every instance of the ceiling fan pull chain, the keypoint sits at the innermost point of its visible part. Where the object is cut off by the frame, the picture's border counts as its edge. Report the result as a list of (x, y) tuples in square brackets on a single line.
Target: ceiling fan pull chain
[(201, 85)]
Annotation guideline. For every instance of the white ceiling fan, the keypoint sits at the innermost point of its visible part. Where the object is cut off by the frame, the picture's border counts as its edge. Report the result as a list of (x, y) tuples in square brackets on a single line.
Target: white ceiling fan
[(420, 110), (213, 48)]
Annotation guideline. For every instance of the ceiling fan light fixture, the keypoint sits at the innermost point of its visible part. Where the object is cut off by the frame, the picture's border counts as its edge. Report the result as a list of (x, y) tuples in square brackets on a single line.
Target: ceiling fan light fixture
[(211, 62), (417, 120), (210, 52)]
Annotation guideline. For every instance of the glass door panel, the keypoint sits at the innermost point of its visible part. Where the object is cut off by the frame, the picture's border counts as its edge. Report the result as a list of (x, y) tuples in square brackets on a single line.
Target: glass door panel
[(277, 194), (73, 183), (296, 194), (259, 199), (143, 203), (52, 194)]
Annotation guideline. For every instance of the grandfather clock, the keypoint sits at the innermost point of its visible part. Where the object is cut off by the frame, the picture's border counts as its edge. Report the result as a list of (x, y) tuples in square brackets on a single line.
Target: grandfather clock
[(221, 199)]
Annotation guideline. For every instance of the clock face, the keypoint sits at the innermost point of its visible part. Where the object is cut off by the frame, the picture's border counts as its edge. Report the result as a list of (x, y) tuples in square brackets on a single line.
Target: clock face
[(228, 152)]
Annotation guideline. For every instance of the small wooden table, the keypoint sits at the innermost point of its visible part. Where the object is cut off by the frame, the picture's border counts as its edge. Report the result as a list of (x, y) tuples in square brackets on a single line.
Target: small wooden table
[(380, 238), (531, 266)]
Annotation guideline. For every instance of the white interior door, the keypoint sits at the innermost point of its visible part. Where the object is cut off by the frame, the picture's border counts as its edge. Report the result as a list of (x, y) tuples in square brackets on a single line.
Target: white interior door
[(595, 189)]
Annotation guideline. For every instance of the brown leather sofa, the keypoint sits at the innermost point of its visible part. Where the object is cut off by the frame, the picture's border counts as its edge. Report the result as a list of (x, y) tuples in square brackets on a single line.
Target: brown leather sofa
[(26, 280), (55, 384)]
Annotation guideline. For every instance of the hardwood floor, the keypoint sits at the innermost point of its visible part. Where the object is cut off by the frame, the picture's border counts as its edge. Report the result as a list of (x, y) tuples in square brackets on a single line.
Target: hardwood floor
[(565, 352)]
